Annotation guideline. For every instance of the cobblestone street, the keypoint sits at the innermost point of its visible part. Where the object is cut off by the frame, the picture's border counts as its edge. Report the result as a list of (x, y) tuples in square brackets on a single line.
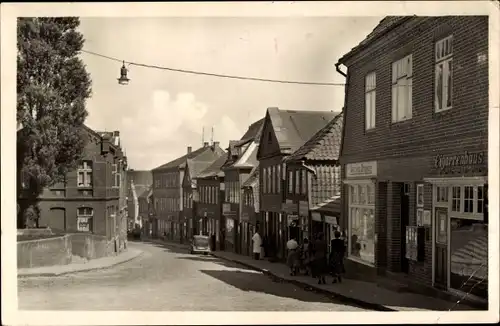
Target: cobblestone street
[(170, 279)]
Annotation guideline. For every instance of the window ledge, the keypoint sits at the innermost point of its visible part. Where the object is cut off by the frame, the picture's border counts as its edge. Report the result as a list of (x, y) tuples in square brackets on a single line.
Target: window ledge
[(370, 130), (443, 110), (401, 122), (360, 261)]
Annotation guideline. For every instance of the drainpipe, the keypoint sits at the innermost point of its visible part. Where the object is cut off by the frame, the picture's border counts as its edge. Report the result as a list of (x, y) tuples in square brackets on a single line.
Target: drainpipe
[(337, 68)]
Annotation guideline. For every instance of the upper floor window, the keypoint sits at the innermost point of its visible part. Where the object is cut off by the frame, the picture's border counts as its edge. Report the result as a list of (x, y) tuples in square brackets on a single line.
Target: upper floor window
[(303, 183), (117, 177), (84, 219), (264, 179), (278, 177), (297, 181), (337, 183), (85, 174), (370, 92), (290, 182), (269, 178), (402, 84), (273, 179), (444, 74)]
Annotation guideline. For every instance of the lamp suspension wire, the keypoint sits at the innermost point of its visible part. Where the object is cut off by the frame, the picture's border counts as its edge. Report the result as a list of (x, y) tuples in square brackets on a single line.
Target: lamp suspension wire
[(211, 74)]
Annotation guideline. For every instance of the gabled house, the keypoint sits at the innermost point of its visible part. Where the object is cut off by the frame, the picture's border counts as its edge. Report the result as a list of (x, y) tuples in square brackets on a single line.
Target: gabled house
[(415, 150), (284, 131), (168, 191), (91, 198), (313, 184), (192, 194), (208, 209), (241, 159)]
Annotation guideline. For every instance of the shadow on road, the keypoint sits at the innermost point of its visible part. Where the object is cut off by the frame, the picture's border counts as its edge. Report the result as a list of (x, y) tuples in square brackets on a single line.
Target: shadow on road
[(257, 282), (215, 260)]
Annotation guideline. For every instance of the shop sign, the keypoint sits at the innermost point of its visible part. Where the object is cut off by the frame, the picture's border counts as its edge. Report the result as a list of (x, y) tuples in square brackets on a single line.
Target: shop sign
[(461, 162), (316, 216), (303, 208), (245, 216), (226, 208), (292, 219), (331, 220), (364, 169), (290, 208)]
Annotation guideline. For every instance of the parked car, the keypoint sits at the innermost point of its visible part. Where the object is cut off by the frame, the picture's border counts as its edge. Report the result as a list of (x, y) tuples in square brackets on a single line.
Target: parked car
[(200, 244)]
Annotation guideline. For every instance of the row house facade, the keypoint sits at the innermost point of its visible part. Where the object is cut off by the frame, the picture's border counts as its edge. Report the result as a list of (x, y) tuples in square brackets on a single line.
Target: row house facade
[(250, 207), (313, 183), (241, 159), (91, 198), (193, 194), (284, 131), (166, 216), (415, 150), (208, 208)]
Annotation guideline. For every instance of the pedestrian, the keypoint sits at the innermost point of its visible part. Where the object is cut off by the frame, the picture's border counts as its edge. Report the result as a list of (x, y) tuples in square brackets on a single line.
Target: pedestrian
[(292, 259), (257, 243), (306, 261), (337, 257), (319, 264)]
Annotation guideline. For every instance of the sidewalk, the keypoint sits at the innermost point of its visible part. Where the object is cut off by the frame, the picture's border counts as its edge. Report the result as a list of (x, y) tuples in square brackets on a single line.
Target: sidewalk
[(94, 264), (364, 294)]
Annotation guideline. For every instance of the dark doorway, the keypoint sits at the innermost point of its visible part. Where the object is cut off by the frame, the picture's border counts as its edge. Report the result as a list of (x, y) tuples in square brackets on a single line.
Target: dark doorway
[(405, 221), (58, 219), (441, 248)]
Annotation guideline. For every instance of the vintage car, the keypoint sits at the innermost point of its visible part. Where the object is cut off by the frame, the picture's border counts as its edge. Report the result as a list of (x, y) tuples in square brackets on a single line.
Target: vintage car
[(200, 244)]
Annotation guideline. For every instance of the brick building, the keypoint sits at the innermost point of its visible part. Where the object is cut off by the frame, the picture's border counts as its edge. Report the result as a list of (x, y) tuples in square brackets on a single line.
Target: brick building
[(313, 184), (91, 199), (414, 152), (208, 208), (241, 160), (193, 195), (168, 191), (283, 133)]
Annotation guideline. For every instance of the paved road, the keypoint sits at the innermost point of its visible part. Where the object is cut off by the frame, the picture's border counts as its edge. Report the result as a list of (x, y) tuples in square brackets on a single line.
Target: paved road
[(166, 278)]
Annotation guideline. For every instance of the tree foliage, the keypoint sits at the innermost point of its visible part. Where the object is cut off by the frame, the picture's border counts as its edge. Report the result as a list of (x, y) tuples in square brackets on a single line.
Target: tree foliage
[(52, 88)]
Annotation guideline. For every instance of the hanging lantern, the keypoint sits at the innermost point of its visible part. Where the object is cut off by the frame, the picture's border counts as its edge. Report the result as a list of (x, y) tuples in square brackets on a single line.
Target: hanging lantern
[(123, 80)]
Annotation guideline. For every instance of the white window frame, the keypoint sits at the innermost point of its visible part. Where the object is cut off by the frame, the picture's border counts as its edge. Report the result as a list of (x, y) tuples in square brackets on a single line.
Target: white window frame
[(474, 215), (370, 100), (443, 56), (420, 191), (297, 181), (85, 216), (402, 86), (116, 175), (290, 182), (85, 169), (354, 203), (278, 175)]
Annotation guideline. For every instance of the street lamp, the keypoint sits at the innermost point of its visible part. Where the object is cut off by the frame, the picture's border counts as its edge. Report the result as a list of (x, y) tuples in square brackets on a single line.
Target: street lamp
[(123, 80)]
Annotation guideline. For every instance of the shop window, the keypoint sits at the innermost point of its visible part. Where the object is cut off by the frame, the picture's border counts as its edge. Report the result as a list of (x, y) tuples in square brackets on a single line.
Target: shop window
[(444, 74), (456, 199), (362, 222), (480, 199), (468, 199), (84, 219), (442, 194), (402, 75)]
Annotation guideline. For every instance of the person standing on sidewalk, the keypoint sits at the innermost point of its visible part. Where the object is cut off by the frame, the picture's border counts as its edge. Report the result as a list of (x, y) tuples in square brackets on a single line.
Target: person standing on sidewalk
[(257, 244), (292, 259), (337, 257), (319, 264)]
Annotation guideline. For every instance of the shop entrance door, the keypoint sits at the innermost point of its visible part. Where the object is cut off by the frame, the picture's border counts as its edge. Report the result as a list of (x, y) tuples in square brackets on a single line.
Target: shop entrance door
[(441, 248)]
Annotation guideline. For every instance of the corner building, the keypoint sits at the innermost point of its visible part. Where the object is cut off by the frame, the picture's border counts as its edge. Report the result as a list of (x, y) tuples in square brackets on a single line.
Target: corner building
[(414, 153)]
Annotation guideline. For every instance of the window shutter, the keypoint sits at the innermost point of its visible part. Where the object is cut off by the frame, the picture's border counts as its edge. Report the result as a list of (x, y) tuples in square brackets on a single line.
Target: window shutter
[(394, 102)]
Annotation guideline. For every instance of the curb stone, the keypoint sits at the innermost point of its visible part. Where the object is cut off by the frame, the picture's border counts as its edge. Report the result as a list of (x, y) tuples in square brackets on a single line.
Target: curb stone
[(48, 274), (306, 286)]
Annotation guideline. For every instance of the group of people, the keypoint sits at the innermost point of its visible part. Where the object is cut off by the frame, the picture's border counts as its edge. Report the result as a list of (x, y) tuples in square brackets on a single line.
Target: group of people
[(313, 258)]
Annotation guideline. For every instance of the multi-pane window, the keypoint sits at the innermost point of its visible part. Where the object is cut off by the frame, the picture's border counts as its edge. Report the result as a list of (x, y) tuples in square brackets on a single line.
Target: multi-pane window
[(456, 199), (337, 183), (361, 222), (442, 194), (116, 175), (85, 174), (480, 199), (468, 199), (290, 182), (303, 182), (84, 219), (264, 180), (269, 178), (297, 181), (278, 177), (444, 74), (370, 96), (273, 179), (402, 84)]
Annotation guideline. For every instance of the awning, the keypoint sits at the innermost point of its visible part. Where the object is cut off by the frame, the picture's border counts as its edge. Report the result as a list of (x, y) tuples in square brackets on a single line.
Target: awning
[(332, 205)]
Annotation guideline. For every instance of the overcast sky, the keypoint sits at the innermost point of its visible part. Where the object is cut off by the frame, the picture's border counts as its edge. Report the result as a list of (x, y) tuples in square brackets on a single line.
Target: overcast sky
[(160, 112)]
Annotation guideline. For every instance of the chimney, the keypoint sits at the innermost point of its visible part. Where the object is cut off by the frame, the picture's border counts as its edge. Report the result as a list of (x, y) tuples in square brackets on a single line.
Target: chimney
[(215, 144), (205, 144), (190, 149)]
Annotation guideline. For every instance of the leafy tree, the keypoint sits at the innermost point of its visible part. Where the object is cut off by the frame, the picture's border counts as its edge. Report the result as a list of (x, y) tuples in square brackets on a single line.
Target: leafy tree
[(52, 88)]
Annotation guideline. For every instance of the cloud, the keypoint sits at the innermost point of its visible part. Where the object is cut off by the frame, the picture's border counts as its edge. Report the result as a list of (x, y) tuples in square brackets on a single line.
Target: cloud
[(161, 130)]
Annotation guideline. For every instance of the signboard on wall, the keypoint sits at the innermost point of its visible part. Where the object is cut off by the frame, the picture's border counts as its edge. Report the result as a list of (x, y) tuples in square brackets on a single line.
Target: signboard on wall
[(289, 208), (461, 162), (226, 208), (363, 169), (331, 220), (316, 216), (303, 208)]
